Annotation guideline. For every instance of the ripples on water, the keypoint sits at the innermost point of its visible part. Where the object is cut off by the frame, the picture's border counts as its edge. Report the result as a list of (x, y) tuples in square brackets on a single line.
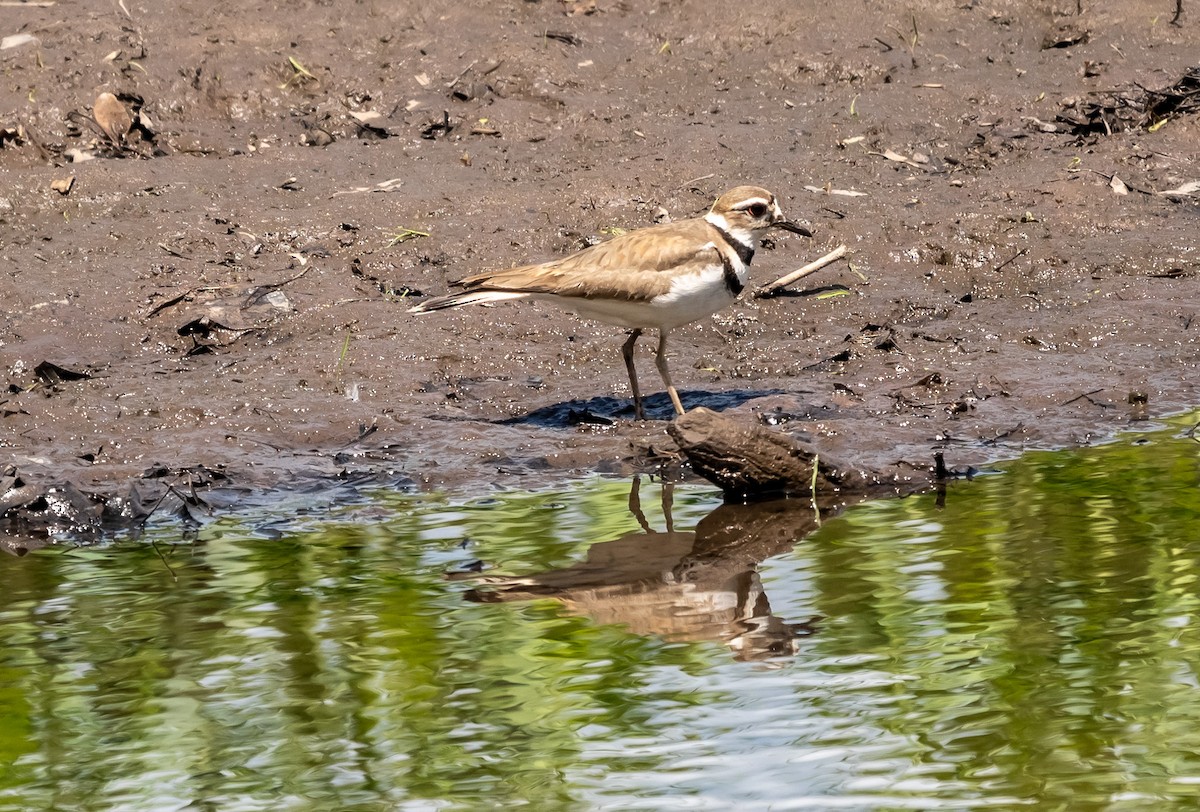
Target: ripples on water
[(1031, 643)]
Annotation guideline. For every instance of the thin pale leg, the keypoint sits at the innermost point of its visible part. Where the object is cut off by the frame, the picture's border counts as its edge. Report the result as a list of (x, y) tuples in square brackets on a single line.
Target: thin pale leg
[(627, 354), (660, 360)]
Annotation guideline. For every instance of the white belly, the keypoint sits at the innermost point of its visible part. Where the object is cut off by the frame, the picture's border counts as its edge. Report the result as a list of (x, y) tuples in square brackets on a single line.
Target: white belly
[(690, 298)]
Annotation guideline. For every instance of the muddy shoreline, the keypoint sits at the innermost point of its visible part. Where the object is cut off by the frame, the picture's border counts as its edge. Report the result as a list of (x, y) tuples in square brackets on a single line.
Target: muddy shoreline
[(223, 302)]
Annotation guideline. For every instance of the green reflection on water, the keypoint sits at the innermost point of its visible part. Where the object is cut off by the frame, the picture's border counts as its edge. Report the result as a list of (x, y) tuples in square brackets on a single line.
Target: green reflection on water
[(1031, 642), (329, 669), (1044, 623)]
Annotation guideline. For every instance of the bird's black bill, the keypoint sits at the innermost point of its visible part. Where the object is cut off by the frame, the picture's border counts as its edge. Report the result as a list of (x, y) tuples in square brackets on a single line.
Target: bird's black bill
[(792, 227)]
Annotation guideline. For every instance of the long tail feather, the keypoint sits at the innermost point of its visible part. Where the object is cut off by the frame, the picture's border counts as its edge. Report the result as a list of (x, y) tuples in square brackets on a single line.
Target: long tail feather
[(467, 297)]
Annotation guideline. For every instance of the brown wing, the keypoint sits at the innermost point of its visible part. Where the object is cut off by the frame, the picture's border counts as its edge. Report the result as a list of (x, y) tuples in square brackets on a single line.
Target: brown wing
[(629, 267)]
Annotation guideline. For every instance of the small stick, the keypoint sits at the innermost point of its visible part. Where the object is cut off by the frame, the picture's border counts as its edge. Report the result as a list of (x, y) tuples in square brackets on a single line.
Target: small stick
[(1011, 259), (812, 267), (458, 78), (939, 467), (688, 183), (812, 488), (1085, 395)]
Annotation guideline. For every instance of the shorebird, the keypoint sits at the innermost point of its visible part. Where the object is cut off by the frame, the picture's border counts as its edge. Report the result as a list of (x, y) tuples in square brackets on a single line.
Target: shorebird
[(659, 277)]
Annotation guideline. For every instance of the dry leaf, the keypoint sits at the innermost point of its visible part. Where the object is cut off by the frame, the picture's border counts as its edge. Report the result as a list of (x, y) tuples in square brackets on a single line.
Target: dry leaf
[(299, 68), (1041, 126), (63, 185), (16, 41), (1192, 187), (1118, 186), (829, 191), (582, 8), (892, 155)]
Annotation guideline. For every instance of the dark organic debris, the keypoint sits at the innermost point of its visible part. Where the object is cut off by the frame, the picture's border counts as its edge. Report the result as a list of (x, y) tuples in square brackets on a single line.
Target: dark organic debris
[(888, 345), (196, 474), (51, 374), (1088, 397), (779, 417), (33, 514), (397, 291), (586, 417), (10, 135), (30, 514), (470, 90), (832, 362), (371, 124), (1138, 107), (563, 36), (1173, 273), (14, 491), (237, 309), (384, 286), (194, 494), (364, 431), (315, 135), (1065, 36), (941, 473), (7, 407), (202, 327), (199, 349), (437, 127)]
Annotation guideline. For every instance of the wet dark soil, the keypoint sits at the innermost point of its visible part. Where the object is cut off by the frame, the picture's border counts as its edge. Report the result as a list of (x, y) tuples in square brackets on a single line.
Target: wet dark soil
[(222, 298)]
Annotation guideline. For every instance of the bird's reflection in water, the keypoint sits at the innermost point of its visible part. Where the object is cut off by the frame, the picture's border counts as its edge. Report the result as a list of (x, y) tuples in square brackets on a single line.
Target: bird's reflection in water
[(700, 584)]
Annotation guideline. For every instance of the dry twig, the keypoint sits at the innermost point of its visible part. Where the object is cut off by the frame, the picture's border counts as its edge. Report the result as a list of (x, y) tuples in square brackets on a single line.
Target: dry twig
[(812, 267)]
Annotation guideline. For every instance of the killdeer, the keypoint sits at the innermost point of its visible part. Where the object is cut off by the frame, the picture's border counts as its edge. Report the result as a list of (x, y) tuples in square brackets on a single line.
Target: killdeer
[(660, 277)]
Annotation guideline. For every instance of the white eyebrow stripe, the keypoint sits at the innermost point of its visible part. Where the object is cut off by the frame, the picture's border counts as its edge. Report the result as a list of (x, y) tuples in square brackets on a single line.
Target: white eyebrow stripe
[(748, 202)]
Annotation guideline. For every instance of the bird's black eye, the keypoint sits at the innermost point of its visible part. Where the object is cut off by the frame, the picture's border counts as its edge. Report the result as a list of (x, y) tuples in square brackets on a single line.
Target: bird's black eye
[(757, 210)]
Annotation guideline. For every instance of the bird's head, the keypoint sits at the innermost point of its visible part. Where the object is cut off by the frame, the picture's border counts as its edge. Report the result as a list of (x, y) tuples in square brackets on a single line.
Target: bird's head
[(747, 211)]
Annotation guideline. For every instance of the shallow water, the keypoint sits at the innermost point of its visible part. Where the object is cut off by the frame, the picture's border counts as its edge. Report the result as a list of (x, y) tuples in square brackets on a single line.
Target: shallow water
[(1032, 642)]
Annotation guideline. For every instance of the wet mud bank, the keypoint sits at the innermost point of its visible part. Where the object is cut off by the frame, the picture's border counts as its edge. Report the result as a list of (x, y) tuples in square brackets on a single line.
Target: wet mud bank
[(210, 297)]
